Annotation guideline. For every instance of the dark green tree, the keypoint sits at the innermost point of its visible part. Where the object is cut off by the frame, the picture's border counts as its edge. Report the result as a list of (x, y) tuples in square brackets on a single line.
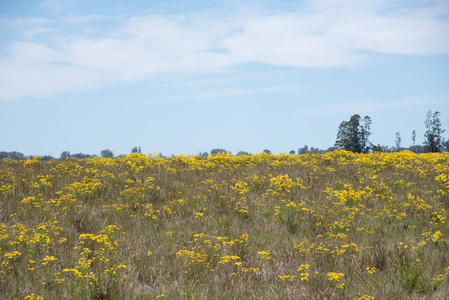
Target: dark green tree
[(386, 149), (4, 154), (353, 135), (136, 150), (107, 153), (46, 158), (267, 151), (243, 153), (315, 150), (303, 150), (64, 155), (216, 151), (15, 155), (80, 155), (377, 148), (433, 141)]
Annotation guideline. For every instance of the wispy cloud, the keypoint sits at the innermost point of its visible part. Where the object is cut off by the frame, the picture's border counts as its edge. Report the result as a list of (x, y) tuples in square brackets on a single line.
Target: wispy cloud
[(79, 19), (149, 45), (23, 79), (220, 93), (330, 34), (36, 31), (23, 22), (365, 107), (321, 34)]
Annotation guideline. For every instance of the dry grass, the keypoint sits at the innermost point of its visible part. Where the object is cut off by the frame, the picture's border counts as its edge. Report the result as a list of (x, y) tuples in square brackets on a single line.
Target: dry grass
[(332, 226)]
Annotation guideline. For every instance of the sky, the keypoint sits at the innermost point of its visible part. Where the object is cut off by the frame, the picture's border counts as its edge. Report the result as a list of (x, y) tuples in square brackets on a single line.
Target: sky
[(180, 76)]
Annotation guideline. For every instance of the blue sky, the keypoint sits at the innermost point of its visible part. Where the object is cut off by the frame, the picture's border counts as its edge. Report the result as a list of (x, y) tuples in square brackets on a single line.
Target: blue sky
[(188, 76)]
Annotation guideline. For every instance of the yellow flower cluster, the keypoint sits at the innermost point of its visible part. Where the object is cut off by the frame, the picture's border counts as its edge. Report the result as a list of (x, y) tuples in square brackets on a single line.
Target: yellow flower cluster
[(334, 276), (250, 218), (264, 255)]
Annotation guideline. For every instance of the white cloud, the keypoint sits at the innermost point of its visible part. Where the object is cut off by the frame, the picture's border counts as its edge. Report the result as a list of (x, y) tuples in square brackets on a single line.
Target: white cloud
[(291, 41), (28, 52), (39, 71), (320, 35), (43, 80), (237, 92), (86, 18), (36, 31), (334, 35), (411, 34), (23, 22), (365, 107), (217, 93), (148, 45)]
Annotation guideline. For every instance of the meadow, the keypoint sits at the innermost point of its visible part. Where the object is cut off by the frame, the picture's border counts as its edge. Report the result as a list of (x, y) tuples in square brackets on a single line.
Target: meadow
[(338, 225)]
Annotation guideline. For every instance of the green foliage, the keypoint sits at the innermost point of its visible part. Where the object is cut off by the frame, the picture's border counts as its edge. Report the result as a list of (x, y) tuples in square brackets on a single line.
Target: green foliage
[(217, 150), (434, 142), (107, 153), (3, 154), (80, 155), (303, 150), (411, 276), (136, 150), (12, 155), (64, 155), (243, 153), (353, 135)]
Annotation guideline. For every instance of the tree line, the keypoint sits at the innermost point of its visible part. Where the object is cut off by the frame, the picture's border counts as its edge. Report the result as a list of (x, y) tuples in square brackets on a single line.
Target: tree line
[(64, 155), (353, 135)]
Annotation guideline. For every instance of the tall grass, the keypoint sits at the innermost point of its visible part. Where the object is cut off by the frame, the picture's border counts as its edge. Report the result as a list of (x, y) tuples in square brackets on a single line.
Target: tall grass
[(332, 226)]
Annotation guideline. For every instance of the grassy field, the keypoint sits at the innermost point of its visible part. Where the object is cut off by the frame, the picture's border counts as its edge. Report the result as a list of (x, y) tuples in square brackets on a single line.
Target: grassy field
[(331, 226)]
